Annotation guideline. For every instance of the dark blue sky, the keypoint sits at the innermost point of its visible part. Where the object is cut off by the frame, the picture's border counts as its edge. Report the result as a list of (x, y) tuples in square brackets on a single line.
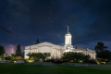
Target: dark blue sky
[(23, 21)]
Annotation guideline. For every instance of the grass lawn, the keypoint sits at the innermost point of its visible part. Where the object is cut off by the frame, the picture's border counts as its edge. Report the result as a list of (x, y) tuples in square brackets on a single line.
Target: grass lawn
[(53, 69)]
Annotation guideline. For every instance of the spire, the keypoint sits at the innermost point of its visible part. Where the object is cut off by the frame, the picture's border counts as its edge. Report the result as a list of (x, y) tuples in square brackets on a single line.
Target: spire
[(67, 28)]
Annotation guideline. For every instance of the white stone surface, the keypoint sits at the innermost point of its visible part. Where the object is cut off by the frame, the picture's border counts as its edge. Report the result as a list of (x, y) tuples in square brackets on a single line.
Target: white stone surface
[(45, 47)]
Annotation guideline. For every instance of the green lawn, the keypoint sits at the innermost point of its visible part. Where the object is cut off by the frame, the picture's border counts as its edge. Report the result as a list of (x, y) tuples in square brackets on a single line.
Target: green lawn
[(53, 69)]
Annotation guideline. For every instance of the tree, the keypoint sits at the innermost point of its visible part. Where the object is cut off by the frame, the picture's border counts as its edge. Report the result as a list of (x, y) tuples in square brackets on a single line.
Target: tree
[(37, 41), (102, 52), (13, 57), (39, 56), (2, 50), (74, 57), (100, 47), (18, 50)]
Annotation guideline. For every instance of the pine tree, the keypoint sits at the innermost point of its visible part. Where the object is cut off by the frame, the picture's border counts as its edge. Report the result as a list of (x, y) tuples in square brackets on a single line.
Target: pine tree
[(18, 50), (2, 50)]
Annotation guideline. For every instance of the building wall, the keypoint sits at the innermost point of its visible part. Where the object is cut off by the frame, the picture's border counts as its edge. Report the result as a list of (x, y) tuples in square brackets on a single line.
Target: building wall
[(54, 52)]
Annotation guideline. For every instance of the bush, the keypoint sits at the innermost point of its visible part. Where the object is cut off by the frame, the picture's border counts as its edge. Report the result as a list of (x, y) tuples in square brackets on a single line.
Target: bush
[(39, 56), (74, 57), (56, 61), (91, 61)]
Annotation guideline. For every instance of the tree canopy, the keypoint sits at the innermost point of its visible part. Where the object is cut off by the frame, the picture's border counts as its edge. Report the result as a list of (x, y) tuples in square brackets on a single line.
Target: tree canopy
[(75, 57), (18, 50), (2, 50), (39, 56), (102, 52)]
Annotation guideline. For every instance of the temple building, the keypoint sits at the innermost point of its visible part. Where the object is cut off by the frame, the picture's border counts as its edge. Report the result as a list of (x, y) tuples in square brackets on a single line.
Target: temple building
[(56, 51)]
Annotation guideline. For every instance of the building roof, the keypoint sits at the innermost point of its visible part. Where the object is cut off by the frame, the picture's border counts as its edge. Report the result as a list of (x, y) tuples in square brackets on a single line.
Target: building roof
[(44, 44)]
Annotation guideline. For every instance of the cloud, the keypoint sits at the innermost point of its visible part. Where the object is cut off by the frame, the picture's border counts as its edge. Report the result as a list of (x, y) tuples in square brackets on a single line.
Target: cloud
[(89, 20)]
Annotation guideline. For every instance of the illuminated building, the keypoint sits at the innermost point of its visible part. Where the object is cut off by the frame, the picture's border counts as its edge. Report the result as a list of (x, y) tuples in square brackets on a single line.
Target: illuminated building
[(56, 51)]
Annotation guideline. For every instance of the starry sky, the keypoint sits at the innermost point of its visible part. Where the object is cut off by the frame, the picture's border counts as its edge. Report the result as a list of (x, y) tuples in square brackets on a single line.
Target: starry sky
[(25, 21)]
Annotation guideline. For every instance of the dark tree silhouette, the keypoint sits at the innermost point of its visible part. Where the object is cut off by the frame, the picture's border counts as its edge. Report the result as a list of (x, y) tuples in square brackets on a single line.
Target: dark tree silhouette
[(100, 47), (2, 50), (37, 41), (75, 57), (18, 50), (38, 56), (102, 52)]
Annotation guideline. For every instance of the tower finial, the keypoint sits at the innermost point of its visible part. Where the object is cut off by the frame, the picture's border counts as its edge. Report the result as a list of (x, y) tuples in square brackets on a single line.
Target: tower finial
[(67, 28)]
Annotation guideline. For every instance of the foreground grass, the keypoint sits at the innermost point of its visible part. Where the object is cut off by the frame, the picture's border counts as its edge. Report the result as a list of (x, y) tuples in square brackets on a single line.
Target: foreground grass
[(53, 69)]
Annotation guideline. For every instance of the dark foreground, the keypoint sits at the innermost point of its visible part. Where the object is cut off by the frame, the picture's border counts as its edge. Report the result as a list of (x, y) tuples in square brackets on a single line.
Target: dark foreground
[(54, 69)]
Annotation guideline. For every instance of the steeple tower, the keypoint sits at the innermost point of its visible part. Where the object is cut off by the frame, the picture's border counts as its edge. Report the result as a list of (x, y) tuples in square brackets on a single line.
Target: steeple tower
[(68, 39), (67, 28)]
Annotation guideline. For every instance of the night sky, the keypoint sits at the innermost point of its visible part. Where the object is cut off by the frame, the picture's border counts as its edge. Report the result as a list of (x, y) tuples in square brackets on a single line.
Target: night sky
[(25, 21)]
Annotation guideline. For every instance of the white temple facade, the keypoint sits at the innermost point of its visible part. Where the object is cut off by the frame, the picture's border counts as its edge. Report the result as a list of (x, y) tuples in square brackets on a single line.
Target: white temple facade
[(56, 51), (45, 47)]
